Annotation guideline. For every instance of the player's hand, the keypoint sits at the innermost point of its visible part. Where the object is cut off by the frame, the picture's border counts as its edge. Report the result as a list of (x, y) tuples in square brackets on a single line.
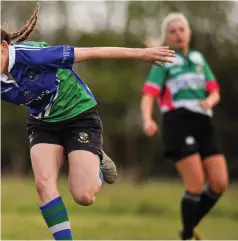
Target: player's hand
[(157, 54), (212, 100), (150, 127), (206, 104)]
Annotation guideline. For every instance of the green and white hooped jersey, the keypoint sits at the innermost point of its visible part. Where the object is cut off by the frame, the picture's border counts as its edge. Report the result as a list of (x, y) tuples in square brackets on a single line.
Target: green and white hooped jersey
[(182, 84)]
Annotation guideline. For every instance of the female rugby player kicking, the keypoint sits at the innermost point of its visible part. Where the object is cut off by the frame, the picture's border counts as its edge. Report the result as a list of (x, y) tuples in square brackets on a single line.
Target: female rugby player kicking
[(63, 116)]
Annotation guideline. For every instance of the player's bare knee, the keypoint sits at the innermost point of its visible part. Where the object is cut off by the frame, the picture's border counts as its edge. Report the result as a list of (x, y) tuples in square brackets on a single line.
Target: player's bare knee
[(84, 198), (219, 185), (87, 196)]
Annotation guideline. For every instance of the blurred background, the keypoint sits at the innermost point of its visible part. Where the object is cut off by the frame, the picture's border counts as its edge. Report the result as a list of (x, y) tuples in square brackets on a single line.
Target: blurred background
[(144, 204)]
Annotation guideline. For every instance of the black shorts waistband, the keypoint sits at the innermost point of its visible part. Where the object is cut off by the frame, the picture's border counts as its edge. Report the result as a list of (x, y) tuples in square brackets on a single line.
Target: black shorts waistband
[(32, 119), (183, 113)]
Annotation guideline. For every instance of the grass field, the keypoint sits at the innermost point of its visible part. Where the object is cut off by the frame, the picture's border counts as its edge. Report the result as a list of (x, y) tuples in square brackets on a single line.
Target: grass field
[(122, 211)]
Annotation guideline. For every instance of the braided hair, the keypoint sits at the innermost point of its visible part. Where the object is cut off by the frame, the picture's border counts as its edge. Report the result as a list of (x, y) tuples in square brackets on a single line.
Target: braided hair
[(23, 33)]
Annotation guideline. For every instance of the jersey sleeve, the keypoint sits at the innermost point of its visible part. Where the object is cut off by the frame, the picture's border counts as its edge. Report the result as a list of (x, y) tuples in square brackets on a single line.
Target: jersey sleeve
[(45, 58), (155, 81), (10, 93), (211, 82)]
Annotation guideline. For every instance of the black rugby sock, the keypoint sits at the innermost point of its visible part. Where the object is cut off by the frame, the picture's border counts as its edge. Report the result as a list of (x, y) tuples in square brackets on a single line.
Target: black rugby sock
[(207, 202), (190, 204)]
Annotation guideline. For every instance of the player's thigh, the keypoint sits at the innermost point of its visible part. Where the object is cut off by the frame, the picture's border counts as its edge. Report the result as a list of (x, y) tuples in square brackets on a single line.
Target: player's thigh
[(84, 170), (191, 172), (46, 152)]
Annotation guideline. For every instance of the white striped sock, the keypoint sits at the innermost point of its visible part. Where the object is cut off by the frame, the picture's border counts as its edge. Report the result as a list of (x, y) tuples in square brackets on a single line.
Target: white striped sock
[(59, 227)]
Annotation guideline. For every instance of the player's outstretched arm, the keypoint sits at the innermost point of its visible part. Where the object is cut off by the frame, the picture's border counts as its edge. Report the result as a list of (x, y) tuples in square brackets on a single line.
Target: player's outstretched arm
[(153, 55)]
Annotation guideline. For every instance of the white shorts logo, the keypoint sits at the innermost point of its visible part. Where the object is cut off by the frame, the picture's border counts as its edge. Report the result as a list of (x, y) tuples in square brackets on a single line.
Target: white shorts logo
[(31, 137), (190, 140)]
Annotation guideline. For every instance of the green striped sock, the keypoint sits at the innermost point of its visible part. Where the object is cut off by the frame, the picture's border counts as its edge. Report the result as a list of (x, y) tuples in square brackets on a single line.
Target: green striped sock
[(56, 218)]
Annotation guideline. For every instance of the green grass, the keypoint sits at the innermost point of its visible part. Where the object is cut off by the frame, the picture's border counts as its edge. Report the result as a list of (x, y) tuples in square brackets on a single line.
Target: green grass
[(122, 211)]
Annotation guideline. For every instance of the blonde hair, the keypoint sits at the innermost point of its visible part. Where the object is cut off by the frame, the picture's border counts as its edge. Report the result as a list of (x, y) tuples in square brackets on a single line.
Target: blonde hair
[(164, 27)]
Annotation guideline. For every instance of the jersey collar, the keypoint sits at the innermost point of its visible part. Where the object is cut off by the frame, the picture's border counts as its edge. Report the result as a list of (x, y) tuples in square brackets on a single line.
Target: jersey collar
[(182, 54), (12, 57)]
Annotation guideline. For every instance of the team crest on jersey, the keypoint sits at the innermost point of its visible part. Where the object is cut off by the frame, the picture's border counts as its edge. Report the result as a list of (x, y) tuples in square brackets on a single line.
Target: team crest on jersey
[(28, 94), (33, 76), (83, 137)]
